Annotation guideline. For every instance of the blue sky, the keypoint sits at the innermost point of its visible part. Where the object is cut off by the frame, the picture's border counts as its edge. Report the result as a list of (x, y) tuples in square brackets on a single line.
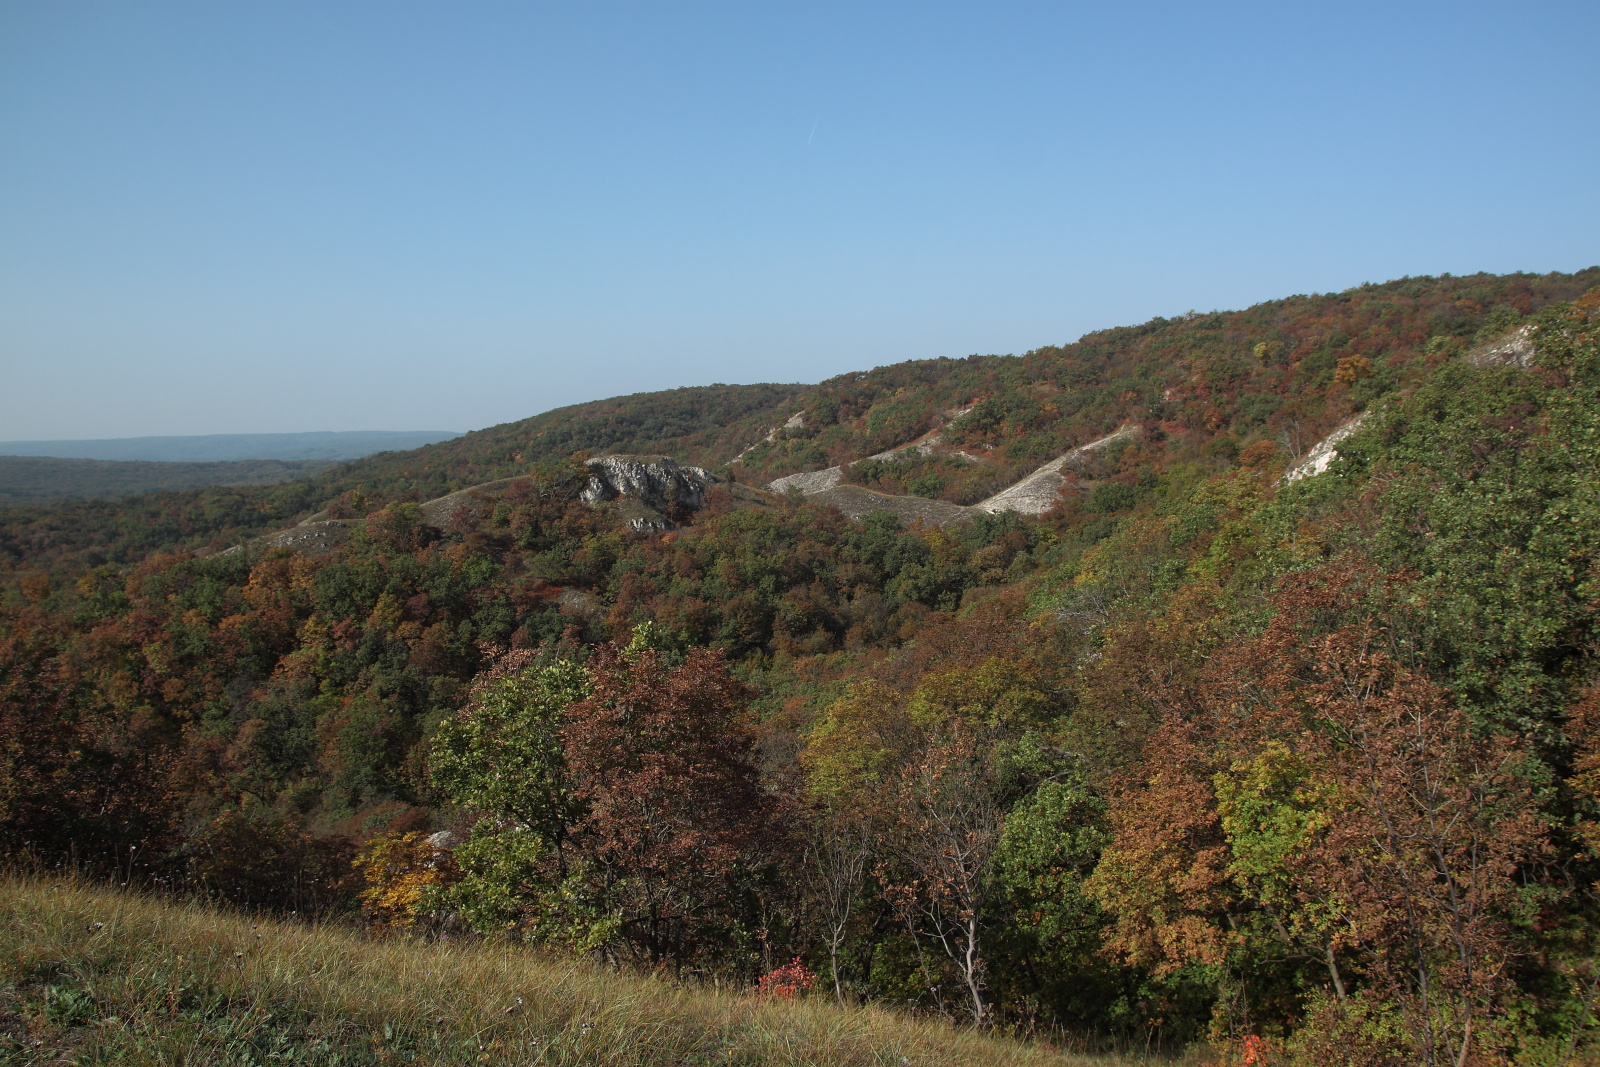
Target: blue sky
[(285, 217)]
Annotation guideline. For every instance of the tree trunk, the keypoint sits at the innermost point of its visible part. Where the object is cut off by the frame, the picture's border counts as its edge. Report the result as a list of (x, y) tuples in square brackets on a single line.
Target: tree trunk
[(833, 962), (970, 972), (1333, 972)]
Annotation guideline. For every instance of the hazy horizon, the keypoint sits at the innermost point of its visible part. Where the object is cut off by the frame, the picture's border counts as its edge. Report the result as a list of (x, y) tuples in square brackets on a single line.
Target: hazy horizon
[(189, 448)]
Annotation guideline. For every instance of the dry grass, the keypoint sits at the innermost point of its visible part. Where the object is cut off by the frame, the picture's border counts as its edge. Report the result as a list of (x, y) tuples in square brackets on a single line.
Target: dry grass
[(94, 976)]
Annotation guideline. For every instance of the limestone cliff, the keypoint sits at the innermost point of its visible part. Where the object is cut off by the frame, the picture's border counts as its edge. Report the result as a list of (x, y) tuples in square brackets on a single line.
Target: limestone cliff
[(653, 488)]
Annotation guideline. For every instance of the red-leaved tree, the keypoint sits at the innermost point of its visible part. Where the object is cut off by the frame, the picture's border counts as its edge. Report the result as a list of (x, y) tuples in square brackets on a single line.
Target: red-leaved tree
[(675, 826)]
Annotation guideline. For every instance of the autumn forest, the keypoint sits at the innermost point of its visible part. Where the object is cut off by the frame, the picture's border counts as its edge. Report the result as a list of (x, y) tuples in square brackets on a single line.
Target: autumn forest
[(1244, 737)]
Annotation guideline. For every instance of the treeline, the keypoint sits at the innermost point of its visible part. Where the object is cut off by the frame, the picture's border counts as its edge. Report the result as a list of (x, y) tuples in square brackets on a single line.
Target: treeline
[(1305, 767), (57, 542), (66, 538)]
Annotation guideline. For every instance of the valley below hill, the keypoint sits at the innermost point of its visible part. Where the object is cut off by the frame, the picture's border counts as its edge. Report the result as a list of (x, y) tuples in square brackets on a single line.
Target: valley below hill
[(31, 480)]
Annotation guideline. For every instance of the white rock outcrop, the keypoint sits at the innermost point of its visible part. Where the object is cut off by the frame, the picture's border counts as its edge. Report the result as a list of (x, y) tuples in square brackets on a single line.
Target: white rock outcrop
[(809, 482), (1514, 348), (812, 482), (1033, 495), (653, 480), (1324, 452), (1039, 491)]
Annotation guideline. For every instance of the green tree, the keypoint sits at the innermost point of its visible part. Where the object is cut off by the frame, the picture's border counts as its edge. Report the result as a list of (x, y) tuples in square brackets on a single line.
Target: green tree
[(1272, 810), (502, 757), (1048, 847), (502, 754)]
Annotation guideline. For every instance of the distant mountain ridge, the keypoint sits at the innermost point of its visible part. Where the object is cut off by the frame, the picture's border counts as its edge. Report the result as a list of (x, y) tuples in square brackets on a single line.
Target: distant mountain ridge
[(213, 448)]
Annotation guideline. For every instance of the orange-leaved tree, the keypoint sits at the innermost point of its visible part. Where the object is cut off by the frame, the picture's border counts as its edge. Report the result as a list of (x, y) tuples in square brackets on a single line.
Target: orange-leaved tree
[(1410, 840)]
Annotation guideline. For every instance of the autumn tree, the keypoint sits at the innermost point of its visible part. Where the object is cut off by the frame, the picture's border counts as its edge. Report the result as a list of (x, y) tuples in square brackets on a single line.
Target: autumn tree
[(405, 878), (77, 783), (673, 828), (943, 831), (1429, 849), (1163, 876), (1411, 838)]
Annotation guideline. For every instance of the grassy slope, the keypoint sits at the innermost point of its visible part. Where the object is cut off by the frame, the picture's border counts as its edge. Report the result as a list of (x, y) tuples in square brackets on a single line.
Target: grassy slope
[(160, 983)]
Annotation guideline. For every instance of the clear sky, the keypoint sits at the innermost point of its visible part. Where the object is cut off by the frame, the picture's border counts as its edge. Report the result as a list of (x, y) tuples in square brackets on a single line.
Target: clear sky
[(283, 217)]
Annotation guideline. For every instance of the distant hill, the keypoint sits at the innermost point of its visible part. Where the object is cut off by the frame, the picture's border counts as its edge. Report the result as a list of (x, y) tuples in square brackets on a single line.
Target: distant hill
[(220, 447), (1236, 375), (1213, 382), (707, 424), (46, 480)]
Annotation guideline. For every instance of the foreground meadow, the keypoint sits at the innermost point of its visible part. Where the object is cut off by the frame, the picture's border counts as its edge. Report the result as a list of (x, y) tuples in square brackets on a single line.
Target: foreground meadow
[(95, 976)]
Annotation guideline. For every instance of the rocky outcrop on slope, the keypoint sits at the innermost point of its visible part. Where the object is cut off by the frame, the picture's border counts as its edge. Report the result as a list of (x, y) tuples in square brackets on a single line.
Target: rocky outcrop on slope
[(575, 601), (648, 491), (310, 538), (655, 486), (1513, 348), (857, 502), (441, 510), (656, 480), (813, 482), (646, 488), (810, 482), (793, 422), (1039, 491), (1034, 495), (1324, 452), (929, 443)]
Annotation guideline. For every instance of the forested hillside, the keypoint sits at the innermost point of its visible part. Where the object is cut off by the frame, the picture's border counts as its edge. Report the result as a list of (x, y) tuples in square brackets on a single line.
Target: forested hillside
[(1202, 373), (1305, 768)]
